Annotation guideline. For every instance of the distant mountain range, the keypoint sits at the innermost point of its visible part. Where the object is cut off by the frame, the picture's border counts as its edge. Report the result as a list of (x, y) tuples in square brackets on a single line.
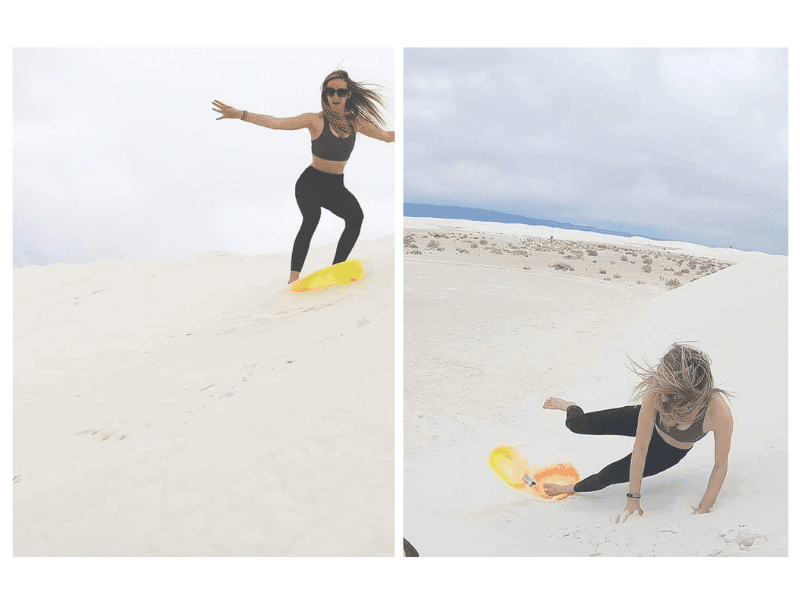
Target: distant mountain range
[(492, 216)]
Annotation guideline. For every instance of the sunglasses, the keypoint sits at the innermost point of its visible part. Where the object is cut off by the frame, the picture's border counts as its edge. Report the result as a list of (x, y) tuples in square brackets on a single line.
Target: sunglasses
[(336, 92)]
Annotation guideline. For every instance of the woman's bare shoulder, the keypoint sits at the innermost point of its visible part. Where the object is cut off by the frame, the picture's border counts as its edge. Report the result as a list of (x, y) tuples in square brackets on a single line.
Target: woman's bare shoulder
[(720, 415)]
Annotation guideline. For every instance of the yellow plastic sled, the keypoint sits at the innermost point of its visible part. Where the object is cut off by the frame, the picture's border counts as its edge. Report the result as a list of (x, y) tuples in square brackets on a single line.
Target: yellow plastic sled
[(514, 470), (341, 274)]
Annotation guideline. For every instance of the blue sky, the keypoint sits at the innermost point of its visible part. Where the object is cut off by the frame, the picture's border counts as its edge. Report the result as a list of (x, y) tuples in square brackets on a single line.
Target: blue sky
[(684, 144), (117, 153)]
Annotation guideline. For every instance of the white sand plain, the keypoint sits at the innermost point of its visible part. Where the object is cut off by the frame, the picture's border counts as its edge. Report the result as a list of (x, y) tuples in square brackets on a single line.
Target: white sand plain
[(199, 408), (490, 334)]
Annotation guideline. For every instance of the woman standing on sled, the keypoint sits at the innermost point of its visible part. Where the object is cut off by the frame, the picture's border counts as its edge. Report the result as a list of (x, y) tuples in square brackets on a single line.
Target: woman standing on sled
[(348, 107), (679, 405)]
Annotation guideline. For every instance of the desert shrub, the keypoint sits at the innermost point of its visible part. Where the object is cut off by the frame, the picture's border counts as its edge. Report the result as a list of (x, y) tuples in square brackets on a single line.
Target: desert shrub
[(413, 252), (462, 250), (684, 271), (592, 252), (646, 268), (623, 258), (562, 267), (617, 276), (473, 245), (496, 250), (673, 283), (520, 253), (602, 271), (434, 245), (484, 242), (640, 282), (647, 260)]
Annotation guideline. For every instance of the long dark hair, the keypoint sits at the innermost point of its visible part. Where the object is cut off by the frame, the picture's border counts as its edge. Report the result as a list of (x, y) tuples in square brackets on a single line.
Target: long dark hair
[(363, 102)]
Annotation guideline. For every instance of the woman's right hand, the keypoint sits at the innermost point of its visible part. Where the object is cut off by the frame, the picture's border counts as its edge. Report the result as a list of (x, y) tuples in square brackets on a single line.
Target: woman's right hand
[(227, 112), (631, 507)]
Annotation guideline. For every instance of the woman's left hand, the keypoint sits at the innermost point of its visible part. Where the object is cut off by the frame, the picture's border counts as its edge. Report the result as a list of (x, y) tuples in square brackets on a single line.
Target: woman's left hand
[(701, 510), (228, 112)]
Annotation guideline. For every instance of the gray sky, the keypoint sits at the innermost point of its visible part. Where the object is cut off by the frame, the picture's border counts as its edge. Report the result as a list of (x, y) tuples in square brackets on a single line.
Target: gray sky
[(117, 153), (690, 145)]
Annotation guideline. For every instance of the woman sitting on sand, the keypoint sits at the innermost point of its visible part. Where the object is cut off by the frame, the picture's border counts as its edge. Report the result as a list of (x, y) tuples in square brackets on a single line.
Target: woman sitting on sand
[(680, 404), (348, 107)]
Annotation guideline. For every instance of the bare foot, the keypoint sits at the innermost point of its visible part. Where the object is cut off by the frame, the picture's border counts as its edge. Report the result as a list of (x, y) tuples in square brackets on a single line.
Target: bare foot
[(553, 489), (294, 276), (554, 403)]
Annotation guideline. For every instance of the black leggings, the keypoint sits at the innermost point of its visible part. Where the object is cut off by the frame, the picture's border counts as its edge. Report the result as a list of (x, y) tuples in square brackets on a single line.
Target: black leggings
[(316, 190), (620, 421)]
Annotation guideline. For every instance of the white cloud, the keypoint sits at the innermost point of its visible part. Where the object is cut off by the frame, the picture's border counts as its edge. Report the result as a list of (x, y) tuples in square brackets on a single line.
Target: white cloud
[(636, 137)]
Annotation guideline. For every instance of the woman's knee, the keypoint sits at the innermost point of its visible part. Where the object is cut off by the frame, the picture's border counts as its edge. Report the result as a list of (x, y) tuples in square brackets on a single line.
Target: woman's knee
[(311, 219), (575, 420), (355, 218)]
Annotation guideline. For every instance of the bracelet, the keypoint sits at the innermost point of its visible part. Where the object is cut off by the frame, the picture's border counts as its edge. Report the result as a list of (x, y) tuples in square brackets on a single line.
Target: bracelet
[(634, 496), (244, 115)]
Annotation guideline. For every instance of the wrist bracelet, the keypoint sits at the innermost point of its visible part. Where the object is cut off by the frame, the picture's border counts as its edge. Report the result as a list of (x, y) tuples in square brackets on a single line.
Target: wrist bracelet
[(634, 496), (244, 115)]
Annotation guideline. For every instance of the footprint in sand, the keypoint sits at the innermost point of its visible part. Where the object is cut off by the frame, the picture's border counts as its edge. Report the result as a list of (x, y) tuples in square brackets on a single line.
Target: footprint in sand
[(745, 537), (110, 431)]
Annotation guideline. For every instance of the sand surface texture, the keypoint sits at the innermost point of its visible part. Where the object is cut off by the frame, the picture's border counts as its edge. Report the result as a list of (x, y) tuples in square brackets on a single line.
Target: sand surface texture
[(199, 408), (490, 334)]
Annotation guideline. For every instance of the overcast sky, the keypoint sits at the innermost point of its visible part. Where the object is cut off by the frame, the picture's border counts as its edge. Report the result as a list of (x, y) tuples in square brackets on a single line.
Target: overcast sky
[(117, 153), (689, 145)]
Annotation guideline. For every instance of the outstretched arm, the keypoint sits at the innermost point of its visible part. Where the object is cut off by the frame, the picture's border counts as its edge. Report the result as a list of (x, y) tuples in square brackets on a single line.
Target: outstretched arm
[(372, 131), (304, 121), (722, 426), (644, 431)]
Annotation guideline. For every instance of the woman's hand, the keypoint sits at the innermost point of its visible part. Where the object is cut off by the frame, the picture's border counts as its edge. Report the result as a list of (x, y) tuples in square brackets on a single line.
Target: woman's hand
[(701, 510), (227, 112), (631, 507)]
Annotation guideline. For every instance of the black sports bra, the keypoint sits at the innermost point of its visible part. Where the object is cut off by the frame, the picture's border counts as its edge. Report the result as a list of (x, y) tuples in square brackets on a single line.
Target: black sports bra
[(689, 435), (329, 147)]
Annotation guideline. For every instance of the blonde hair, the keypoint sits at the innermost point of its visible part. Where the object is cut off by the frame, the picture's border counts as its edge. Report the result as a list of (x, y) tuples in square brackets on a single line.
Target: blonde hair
[(681, 383)]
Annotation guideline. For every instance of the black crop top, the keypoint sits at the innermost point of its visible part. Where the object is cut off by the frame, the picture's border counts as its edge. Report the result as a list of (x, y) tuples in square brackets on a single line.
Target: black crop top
[(689, 435), (330, 147)]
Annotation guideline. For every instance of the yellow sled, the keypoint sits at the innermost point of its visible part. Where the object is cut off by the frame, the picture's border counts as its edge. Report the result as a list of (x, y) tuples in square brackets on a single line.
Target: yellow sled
[(340, 274), (514, 470)]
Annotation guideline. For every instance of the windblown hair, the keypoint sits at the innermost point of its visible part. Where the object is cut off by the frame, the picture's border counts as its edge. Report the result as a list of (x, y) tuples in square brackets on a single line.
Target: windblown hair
[(680, 384), (363, 102)]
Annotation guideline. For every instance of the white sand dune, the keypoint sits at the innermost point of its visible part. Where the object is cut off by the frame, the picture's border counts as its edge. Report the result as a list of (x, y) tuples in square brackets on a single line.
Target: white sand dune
[(485, 345), (199, 408)]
